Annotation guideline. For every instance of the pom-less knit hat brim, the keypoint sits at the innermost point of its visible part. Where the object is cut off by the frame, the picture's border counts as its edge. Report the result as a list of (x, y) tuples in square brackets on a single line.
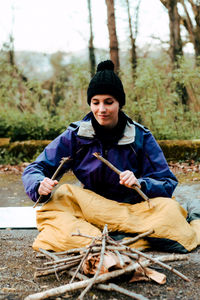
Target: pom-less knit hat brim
[(105, 81)]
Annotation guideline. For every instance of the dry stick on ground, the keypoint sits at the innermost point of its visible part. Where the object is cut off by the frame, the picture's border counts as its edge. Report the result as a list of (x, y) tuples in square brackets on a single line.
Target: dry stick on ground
[(82, 260), (64, 260), (124, 242), (111, 287), (48, 254), (121, 260), (153, 260), (136, 238), (56, 269), (104, 238), (135, 187), (62, 162)]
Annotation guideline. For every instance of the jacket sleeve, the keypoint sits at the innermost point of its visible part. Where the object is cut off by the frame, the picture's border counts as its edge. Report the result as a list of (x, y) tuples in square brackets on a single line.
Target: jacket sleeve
[(46, 164), (156, 179)]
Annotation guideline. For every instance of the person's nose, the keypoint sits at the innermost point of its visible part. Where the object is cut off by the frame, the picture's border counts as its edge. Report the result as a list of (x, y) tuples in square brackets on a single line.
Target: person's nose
[(102, 107)]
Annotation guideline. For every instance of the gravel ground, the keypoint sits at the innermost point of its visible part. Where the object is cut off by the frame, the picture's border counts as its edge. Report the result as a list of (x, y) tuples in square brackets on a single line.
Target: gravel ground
[(18, 262)]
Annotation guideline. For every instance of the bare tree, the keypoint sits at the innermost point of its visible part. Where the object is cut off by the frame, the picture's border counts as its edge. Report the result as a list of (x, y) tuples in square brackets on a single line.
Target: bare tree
[(175, 49), (174, 25), (114, 50), (133, 36), (192, 29), (92, 59)]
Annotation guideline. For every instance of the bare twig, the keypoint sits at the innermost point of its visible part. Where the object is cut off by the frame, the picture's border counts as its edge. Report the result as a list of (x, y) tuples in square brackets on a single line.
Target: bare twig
[(111, 287), (84, 257), (48, 254), (116, 288), (86, 236), (136, 238), (135, 187), (62, 162), (121, 261), (57, 269), (64, 260), (104, 235)]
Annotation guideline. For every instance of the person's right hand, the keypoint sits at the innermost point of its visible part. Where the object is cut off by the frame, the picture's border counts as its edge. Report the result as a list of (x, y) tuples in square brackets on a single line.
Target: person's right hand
[(46, 186)]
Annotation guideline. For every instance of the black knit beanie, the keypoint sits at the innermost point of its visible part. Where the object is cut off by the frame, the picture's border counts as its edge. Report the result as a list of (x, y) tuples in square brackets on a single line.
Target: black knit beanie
[(105, 81)]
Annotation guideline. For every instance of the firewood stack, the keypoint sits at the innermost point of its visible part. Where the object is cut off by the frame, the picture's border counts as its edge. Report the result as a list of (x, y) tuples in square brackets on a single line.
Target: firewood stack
[(102, 260)]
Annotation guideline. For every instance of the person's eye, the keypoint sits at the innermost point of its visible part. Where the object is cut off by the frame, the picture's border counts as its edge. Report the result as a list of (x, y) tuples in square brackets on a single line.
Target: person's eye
[(109, 102), (95, 103)]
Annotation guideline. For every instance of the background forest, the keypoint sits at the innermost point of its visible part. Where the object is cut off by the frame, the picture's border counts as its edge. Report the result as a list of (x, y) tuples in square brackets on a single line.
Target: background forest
[(162, 86)]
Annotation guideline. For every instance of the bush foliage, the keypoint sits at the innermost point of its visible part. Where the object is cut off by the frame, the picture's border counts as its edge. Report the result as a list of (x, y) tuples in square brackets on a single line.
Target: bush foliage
[(42, 110)]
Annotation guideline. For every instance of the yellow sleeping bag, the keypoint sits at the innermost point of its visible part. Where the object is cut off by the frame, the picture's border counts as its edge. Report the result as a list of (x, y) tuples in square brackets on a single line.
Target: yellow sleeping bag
[(72, 208)]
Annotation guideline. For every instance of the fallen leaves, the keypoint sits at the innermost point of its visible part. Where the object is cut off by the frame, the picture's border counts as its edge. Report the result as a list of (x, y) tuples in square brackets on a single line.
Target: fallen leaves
[(110, 262), (13, 169), (186, 171), (185, 167), (147, 274)]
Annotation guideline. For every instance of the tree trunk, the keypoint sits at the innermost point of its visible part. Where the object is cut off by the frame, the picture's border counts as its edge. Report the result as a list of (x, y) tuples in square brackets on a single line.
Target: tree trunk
[(193, 30), (197, 38), (132, 40), (114, 50), (175, 49), (92, 59), (175, 36)]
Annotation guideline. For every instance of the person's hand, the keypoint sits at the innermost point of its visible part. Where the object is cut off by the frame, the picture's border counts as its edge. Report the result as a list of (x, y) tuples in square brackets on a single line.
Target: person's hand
[(128, 179), (46, 186)]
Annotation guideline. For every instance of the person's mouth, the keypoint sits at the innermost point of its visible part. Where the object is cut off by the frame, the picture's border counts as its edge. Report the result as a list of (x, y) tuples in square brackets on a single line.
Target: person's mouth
[(103, 116)]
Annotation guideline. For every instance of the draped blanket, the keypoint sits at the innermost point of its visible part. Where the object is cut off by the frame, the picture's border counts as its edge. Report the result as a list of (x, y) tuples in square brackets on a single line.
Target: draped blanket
[(72, 208)]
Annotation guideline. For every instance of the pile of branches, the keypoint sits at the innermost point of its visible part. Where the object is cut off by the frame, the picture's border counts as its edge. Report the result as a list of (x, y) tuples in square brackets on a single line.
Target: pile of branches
[(105, 259)]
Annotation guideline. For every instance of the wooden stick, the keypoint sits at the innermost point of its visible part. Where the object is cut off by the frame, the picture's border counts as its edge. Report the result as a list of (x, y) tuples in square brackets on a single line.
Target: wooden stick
[(71, 251), (63, 260), (135, 187), (62, 162), (116, 288), (86, 236), (110, 287), (121, 261), (82, 260), (104, 235), (48, 254), (53, 269), (139, 236)]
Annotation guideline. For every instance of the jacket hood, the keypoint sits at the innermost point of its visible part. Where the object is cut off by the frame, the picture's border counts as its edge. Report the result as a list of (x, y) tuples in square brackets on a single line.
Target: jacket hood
[(86, 130)]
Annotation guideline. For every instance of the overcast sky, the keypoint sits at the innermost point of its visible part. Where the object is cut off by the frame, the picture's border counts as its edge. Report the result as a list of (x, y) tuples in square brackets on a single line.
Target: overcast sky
[(62, 25)]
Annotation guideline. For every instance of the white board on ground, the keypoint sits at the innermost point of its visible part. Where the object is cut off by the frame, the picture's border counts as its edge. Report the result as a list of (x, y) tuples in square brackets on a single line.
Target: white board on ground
[(18, 217)]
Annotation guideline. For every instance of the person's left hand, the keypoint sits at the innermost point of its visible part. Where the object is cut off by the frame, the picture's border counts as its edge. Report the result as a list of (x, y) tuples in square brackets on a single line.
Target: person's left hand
[(128, 179)]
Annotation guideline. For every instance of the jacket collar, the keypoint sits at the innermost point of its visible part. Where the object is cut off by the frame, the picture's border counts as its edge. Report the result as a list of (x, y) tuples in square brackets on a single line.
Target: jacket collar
[(86, 130)]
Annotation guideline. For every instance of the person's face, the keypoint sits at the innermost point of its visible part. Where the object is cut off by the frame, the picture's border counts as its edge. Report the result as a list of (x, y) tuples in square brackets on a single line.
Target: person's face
[(105, 109)]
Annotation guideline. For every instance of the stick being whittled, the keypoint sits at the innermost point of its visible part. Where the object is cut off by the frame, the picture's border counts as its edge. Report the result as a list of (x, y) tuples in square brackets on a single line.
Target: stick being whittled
[(62, 162), (135, 187)]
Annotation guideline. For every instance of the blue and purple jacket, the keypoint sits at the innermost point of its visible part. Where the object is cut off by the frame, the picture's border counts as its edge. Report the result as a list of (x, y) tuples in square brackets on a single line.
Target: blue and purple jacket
[(136, 151)]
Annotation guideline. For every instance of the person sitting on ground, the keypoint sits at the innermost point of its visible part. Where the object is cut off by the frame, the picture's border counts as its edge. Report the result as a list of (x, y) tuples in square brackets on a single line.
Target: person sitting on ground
[(130, 147)]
